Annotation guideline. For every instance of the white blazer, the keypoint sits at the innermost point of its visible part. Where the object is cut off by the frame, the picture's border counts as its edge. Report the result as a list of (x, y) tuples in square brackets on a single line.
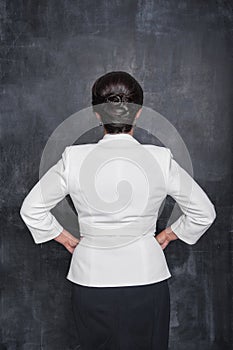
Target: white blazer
[(117, 186)]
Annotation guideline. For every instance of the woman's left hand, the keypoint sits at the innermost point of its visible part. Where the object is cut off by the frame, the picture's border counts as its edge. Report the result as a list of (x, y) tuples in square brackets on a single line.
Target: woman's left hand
[(67, 240), (165, 237)]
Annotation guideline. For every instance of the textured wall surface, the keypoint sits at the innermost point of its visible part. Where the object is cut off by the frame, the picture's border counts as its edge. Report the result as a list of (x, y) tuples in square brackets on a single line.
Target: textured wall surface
[(51, 53)]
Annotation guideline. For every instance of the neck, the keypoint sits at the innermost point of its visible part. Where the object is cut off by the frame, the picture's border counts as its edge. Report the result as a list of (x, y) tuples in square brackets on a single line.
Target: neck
[(129, 133)]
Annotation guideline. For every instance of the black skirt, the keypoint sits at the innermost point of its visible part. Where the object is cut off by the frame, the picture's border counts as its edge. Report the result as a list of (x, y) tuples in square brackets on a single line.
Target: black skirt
[(122, 318)]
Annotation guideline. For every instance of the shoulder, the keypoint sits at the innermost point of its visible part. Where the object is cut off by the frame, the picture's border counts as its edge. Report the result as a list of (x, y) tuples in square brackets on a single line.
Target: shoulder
[(159, 151), (161, 154), (78, 151)]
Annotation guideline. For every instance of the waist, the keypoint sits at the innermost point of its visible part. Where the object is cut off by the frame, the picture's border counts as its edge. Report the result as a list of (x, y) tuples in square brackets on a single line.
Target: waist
[(110, 241)]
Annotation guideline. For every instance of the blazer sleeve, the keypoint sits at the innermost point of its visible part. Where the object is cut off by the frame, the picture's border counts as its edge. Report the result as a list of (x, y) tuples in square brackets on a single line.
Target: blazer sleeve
[(198, 211), (48, 191)]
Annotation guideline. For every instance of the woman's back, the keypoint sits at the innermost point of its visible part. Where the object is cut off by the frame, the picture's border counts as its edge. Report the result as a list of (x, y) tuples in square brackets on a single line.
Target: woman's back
[(117, 187)]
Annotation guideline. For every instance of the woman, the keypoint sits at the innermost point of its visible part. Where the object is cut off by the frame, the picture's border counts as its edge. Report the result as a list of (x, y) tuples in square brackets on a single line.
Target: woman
[(118, 270)]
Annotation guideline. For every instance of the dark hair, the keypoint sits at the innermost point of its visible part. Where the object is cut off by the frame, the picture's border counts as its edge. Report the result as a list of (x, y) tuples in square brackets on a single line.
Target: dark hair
[(117, 97)]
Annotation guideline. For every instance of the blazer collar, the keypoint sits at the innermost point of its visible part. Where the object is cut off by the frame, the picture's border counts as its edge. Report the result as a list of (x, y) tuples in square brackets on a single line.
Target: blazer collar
[(121, 136)]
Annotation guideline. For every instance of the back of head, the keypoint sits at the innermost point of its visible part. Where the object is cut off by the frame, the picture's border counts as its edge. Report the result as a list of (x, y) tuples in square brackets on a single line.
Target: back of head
[(117, 97)]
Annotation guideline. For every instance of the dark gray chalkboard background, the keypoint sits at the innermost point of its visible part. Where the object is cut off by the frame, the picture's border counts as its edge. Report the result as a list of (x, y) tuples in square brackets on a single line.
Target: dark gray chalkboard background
[(181, 53)]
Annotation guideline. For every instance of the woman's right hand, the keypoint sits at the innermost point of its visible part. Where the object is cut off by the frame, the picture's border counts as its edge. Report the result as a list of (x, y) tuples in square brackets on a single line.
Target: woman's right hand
[(165, 237), (67, 240)]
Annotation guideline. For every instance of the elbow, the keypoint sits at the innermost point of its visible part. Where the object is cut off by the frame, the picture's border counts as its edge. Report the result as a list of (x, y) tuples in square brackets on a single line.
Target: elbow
[(208, 216), (24, 210), (22, 213), (211, 215)]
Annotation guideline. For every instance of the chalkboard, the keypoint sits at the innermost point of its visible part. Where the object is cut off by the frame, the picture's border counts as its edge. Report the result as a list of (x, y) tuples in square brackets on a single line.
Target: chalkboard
[(52, 52)]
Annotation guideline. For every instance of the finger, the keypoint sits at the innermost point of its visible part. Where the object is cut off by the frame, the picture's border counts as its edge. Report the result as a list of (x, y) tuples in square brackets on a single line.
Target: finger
[(69, 249), (70, 237), (160, 239), (73, 243), (164, 245), (74, 240)]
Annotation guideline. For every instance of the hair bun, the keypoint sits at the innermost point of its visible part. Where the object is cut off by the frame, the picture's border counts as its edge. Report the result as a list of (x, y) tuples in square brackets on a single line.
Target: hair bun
[(115, 99), (115, 105)]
